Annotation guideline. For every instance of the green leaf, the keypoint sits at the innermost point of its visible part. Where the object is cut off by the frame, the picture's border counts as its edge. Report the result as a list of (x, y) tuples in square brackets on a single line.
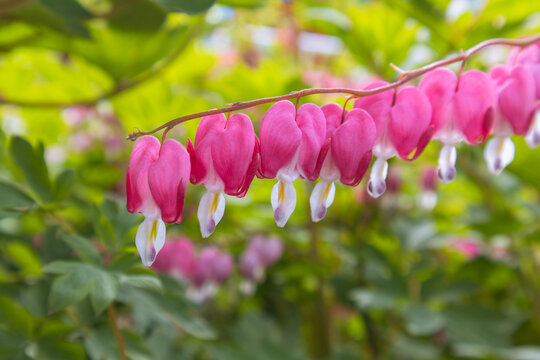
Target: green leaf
[(103, 291), (25, 257), (70, 288), (248, 4), (61, 267), (372, 299), (142, 281), (141, 16), (83, 247), (421, 321), (15, 319), (186, 6), (30, 160), (406, 348), (63, 184), (14, 198)]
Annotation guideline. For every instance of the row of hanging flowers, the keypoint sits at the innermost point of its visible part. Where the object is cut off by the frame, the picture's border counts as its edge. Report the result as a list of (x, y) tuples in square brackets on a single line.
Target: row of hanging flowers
[(334, 144)]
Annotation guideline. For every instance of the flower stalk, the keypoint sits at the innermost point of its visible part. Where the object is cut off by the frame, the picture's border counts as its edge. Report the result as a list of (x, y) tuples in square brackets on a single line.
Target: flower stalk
[(405, 78)]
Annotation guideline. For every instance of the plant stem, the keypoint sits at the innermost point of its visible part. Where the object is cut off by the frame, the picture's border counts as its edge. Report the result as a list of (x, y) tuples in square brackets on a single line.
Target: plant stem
[(406, 77), (117, 332)]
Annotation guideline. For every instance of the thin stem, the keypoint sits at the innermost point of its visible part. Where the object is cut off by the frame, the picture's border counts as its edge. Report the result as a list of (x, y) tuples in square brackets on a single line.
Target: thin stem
[(408, 76), (117, 333)]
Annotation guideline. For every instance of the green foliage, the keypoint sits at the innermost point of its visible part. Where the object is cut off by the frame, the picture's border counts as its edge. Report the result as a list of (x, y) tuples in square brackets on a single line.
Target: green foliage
[(373, 280)]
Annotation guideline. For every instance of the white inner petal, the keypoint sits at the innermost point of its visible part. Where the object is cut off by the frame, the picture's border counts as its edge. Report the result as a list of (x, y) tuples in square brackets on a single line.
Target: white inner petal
[(283, 200), (533, 136), (150, 239), (210, 212), (499, 153), (321, 198), (447, 163), (377, 178)]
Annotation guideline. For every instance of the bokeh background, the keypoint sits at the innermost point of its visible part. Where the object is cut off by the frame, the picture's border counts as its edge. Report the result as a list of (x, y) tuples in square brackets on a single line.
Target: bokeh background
[(428, 271)]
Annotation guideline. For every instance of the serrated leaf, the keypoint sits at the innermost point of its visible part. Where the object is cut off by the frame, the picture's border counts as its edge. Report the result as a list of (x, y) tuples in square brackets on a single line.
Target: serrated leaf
[(83, 247), (30, 160)]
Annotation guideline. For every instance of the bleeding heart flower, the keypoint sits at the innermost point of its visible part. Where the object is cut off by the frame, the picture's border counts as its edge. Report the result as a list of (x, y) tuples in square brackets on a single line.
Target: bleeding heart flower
[(346, 155), (156, 184), (403, 125), (290, 145), (530, 59), (463, 110), (224, 158), (514, 114)]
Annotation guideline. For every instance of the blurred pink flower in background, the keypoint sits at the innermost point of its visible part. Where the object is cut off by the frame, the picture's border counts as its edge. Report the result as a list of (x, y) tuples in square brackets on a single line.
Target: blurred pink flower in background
[(203, 272), (261, 253), (468, 247), (427, 198)]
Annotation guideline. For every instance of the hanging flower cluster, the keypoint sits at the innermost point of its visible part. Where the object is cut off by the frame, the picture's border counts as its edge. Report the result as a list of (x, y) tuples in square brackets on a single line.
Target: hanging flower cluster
[(334, 144)]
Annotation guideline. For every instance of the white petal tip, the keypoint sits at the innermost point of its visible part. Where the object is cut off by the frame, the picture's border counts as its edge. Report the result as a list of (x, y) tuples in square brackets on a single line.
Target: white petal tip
[(375, 190), (499, 153), (446, 175)]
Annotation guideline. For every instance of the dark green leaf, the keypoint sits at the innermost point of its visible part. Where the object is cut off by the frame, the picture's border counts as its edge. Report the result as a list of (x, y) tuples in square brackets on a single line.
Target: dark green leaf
[(142, 281), (14, 318), (13, 197), (30, 160), (103, 291), (186, 6), (70, 288), (63, 184), (83, 247), (140, 16)]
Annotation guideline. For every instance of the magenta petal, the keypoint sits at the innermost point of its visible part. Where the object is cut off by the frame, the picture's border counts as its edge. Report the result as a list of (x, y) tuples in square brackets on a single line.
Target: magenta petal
[(333, 113), (144, 153), (425, 138), (409, 119), (232, 152), (252, 170), (516, 99), (280, 138), (439, 86), (472, 104), (168, 178), (312, 123), (350, 144), (377, 105), (201, 158)]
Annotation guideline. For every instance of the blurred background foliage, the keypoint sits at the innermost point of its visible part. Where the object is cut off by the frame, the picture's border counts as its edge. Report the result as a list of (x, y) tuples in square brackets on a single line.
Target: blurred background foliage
[(397, 278)]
